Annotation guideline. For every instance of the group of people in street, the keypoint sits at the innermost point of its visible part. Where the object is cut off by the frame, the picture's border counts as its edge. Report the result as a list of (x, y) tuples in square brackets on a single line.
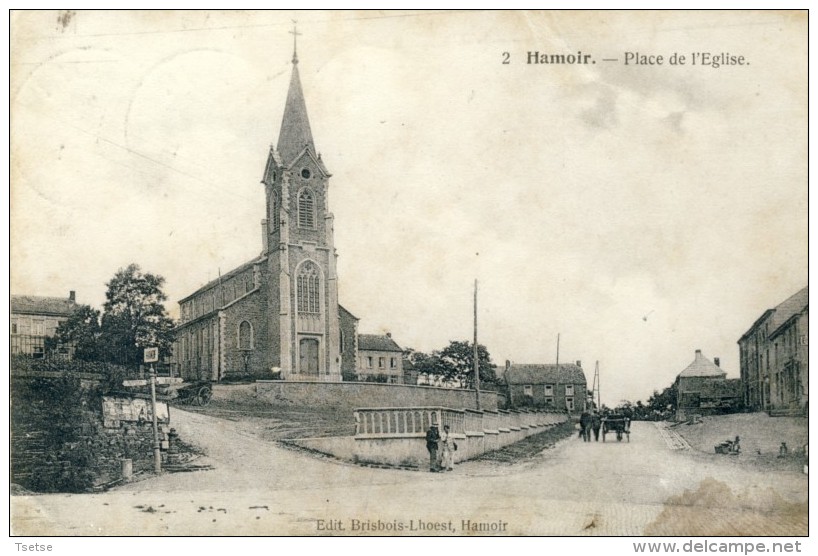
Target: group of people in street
[(441, 447), (590, 422)]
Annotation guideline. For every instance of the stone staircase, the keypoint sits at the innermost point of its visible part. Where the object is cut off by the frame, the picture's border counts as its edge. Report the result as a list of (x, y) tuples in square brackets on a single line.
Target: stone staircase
[(673, 439)]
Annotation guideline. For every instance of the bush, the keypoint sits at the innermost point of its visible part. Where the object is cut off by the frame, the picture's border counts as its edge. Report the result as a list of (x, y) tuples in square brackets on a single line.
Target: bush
[(110, 375), (26, 363), (59, 407)]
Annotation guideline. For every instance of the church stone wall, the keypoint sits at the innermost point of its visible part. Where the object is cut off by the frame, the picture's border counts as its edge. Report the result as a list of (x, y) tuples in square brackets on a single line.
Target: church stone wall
[(195, 349), (257, 364)]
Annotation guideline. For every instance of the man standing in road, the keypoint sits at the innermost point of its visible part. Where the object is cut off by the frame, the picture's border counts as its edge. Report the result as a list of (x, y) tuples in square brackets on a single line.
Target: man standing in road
[(432, 438), (585, 426), (596, 424)]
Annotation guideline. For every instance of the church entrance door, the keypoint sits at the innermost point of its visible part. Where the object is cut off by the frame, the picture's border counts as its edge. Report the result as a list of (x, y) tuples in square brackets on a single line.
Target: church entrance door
[(308, 353)]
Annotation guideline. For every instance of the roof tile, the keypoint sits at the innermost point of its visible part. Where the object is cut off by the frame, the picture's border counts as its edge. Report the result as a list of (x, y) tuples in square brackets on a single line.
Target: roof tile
[(39, 305), (375, 342), (564, 373), (788, 308), (702, 366)]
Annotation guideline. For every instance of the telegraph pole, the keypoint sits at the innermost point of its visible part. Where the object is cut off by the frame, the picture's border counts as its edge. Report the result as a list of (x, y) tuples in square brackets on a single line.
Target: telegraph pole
[(476, 363), (598, 392)]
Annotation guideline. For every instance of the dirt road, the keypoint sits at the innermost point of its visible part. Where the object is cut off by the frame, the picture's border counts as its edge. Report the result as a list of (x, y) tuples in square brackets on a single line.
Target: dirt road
[(259, 488)]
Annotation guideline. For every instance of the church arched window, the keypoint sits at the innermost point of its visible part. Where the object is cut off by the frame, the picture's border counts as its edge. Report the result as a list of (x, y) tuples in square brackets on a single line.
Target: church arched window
[(306, 209), (245, 335), (274, 216), (308, 286)]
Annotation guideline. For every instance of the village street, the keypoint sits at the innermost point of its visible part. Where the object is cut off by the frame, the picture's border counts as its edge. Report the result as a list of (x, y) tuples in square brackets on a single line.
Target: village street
[(256, 487)]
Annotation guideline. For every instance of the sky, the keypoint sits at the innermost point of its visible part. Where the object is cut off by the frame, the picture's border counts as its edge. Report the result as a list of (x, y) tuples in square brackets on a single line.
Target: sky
[(641, 212)]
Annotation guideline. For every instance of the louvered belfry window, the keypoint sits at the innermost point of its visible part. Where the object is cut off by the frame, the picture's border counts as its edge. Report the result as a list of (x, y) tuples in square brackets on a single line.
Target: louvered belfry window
[(306, 209), (308, 283), (274, 217)]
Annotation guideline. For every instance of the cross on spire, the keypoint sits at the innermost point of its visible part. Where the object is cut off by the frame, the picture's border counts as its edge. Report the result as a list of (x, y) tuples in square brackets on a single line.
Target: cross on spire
[(295, 34)]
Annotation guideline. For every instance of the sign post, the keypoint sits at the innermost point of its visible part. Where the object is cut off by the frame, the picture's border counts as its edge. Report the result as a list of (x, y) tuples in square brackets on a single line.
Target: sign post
[(152, 356)]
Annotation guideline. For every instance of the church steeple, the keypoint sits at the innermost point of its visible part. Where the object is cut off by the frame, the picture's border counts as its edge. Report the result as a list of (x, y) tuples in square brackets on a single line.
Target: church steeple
[(295, 131)]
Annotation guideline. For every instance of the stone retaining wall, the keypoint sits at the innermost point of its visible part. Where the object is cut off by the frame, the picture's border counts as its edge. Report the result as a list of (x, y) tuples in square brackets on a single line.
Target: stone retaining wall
[(396, 437), (349, 395), (59, 441)]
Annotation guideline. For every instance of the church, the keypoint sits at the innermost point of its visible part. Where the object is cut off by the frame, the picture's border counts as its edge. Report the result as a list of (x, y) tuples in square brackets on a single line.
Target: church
[(277, 315)]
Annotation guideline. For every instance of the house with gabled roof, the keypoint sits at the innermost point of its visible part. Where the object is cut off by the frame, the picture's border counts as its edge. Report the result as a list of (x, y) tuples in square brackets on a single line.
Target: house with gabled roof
[(774, 358), (379, 358), (560, 386), (703, 388), (34, 318)]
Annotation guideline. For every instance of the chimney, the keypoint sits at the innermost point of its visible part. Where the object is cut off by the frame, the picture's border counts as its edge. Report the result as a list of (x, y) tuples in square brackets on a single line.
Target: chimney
[(388, 334), (508, 364), (716, 361), (72, 296), (265, 240), (579, 364), (698, 353)]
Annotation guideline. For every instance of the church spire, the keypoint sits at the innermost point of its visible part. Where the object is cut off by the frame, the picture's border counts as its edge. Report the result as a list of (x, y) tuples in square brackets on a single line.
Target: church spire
[(295, 131)]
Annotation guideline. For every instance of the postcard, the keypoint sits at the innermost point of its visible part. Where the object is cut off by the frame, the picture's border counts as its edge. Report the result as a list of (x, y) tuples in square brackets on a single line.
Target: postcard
[(409, 273)]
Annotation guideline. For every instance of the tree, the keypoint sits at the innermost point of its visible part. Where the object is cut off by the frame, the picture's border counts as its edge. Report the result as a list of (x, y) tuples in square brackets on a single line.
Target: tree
[(454, 365), (625, 407), (414, 357), (425, 365), (457, 364), (134, 317), (664, 403), (82, 332)]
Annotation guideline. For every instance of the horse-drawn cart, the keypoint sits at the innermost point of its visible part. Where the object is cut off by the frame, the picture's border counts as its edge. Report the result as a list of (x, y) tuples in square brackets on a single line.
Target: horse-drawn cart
[(616, 424), (194, 393)]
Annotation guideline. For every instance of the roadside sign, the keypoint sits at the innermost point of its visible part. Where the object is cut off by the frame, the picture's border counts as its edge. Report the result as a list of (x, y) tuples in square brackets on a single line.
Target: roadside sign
[(159, 380), (151, 355)]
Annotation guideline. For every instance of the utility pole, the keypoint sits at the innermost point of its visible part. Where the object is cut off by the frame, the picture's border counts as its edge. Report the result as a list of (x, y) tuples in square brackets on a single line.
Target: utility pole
[(476, 363), (596, 387), (558, 351)]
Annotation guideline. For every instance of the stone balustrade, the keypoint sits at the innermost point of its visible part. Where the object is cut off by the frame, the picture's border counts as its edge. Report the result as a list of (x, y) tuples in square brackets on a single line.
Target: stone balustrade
[(392, 421), (396, 436)]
